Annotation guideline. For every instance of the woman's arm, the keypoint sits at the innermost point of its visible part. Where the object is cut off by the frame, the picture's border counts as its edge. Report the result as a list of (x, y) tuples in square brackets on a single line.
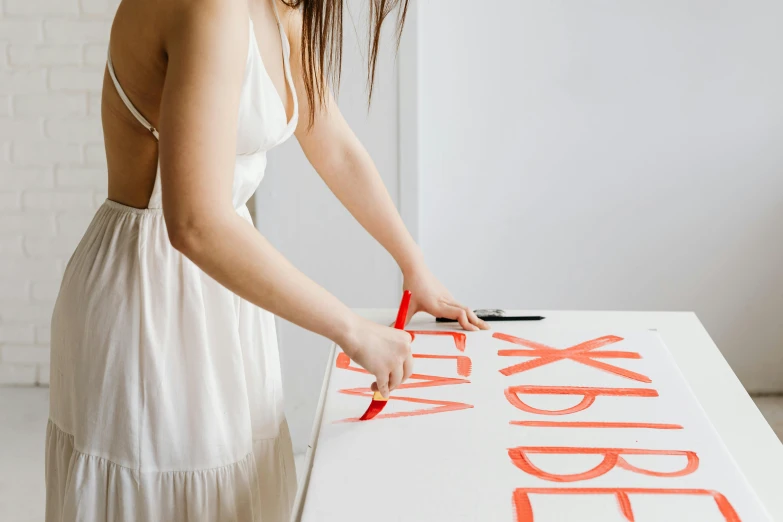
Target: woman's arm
[(207, 49), (345, 166), (347, 169)]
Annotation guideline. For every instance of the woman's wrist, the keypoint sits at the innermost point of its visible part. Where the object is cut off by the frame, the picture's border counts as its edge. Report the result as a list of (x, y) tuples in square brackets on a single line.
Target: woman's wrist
[(348, 325), (412, 262)]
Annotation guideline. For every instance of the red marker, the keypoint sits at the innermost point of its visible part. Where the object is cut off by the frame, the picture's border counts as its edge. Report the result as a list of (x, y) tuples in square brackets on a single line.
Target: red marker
[(378, 402)]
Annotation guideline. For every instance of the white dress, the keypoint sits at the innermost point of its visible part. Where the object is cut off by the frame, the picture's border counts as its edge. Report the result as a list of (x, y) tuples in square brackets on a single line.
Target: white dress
[(166, 396)]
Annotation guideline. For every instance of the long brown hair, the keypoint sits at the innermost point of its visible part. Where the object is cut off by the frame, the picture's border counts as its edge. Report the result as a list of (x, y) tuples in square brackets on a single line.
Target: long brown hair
[(322, 43)]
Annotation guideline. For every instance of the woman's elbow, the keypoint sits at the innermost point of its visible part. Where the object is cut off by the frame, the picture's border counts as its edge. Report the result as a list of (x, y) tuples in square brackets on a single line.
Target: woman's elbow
[(185, 234), (196, 232)]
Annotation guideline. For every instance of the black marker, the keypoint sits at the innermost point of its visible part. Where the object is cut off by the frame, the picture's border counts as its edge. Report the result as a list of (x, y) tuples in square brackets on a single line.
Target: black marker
[(495, 315)]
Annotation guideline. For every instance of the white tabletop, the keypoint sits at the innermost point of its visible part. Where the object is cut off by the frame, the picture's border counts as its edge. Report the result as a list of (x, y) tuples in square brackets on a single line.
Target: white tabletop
[(749, 438)]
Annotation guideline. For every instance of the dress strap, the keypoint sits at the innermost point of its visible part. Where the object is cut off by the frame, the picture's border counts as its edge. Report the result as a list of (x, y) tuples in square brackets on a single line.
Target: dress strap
[(127, 101), (287, 69), (274, 8)]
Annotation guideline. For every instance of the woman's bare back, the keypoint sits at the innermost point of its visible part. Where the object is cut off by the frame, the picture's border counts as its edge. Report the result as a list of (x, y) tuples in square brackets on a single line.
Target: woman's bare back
[(138, 52)]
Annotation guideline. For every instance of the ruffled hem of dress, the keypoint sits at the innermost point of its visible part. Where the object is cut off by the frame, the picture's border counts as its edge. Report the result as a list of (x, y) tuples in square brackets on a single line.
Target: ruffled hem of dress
[(85, 487)]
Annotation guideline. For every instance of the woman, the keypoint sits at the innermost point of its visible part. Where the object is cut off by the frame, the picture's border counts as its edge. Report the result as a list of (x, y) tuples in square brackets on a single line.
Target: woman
[(166, 400)]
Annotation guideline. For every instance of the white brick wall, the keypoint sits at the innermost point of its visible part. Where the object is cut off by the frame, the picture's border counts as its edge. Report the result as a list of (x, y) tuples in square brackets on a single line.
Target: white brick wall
[(52, 177)]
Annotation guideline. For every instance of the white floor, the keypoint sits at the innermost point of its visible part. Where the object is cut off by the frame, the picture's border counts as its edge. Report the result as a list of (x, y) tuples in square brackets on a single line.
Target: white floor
[(23, 414)]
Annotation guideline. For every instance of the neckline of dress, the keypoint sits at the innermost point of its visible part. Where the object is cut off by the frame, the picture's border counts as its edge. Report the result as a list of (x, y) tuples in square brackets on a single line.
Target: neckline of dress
[(286, 68)]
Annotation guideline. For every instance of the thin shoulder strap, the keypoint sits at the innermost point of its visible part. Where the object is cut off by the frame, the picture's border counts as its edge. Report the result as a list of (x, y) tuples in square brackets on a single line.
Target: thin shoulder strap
[(127, 101), (277, 15), (287, 63)]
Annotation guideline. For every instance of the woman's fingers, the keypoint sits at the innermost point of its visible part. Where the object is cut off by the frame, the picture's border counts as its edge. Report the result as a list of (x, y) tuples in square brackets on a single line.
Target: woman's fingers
[(458, 312), (407, 368), (382, 383), (474, 319), (395, 378), (462, 319), (470, 318)]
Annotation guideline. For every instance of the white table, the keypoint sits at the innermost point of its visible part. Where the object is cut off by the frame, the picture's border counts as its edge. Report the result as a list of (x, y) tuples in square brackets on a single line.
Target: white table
[(750, 440)]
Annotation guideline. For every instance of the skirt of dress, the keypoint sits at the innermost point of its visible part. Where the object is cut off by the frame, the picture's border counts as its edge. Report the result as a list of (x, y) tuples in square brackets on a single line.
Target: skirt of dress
[(165, 389)]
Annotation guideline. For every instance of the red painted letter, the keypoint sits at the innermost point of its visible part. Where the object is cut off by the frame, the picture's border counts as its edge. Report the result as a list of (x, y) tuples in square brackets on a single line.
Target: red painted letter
[(591, 424), (588, 396), (437, 406), (459, 337), (418, 380), (524, 510), (613, 457), (581, 353)]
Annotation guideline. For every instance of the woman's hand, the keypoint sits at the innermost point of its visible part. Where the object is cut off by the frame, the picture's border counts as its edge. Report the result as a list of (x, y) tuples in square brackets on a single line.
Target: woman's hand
[(429, 295), (384, 352)]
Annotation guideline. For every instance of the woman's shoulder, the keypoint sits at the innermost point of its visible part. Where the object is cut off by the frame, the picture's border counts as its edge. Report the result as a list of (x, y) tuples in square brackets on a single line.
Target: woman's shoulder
[(215, 14)]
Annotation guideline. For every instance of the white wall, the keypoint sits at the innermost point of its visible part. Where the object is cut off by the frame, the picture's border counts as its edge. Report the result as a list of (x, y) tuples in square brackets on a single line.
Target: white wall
[(302, 218), (52, 164), (610, 155), (622, 154)]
